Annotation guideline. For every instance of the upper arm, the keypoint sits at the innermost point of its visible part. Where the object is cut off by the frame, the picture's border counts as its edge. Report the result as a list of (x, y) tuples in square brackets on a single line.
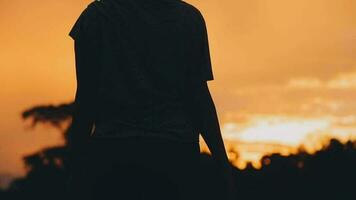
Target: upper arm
[(199, 50), (204, 49), (199, 104), (85, 33), (199, 101)]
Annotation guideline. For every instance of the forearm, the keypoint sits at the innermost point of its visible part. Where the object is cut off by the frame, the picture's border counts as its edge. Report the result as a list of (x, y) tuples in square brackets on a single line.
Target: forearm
[(210, 131), (77, 138), (84, 104), (80, 129), (205, 118), (82, 120)]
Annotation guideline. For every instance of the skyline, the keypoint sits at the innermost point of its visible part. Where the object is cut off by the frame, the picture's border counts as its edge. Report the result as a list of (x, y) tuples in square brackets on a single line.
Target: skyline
[(277, 66)]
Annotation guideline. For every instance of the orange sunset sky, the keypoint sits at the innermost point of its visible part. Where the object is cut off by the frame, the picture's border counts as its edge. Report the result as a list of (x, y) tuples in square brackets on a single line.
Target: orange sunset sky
[(285, 72)]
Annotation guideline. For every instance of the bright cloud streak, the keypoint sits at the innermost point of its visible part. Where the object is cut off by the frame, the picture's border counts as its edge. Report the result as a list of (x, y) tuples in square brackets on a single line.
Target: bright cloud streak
[(269, 57), (262, 135), (282, 130), (341, 81)]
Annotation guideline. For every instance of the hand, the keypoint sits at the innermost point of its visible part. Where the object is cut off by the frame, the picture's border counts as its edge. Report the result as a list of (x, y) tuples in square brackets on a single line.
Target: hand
[(231, 188), (228, 178), (77, 152), (77, 144)]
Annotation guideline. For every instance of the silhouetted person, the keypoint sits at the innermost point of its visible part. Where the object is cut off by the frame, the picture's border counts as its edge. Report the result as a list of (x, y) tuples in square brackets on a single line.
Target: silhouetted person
[(142, 99)]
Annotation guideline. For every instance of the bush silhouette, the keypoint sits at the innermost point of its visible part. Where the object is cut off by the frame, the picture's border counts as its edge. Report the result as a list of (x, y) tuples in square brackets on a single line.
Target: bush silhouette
[(328, 174)]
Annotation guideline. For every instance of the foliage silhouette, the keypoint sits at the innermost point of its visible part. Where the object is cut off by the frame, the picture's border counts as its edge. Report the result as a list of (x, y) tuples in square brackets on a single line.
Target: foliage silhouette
[(54, 115), (328, 174)]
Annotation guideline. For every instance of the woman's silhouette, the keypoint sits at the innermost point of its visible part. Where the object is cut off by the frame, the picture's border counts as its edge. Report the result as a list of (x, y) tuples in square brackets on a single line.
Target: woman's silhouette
[(142, 100)]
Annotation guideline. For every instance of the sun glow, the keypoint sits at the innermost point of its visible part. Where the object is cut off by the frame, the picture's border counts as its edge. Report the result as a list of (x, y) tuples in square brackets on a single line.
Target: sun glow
[(281, 130), (264, 135), (270, 57)]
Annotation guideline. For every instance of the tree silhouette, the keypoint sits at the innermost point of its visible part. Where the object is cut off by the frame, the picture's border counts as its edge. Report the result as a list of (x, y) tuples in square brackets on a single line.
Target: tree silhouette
[(55, 115), (327, 174), (47, 169)]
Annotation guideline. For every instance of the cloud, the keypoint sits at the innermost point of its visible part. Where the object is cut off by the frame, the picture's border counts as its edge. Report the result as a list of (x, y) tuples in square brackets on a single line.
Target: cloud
[(276, 129), (305, 83), (270, 42), (341, 81), (290, 131)]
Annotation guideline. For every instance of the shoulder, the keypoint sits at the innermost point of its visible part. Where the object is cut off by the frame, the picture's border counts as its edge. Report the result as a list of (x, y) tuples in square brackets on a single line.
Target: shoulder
[(90, 15), (193, 13), (87, 21), (194, 18)]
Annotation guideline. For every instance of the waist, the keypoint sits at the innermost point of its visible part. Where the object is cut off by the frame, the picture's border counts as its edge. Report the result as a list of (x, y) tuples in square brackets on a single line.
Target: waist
[(121, 129)]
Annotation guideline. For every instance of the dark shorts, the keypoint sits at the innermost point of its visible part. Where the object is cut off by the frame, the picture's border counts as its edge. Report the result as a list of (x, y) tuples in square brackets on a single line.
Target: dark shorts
[(137, 168)]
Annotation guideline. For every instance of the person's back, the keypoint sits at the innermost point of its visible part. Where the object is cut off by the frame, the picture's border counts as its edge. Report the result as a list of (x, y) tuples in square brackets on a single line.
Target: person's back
[(142, 67), (145, 53)]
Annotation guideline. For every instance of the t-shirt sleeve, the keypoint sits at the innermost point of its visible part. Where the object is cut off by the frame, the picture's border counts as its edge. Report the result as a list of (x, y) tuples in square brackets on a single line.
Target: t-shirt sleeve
[(86, 35), (204, 66), (75, 29), (207, 70), (85, 25)]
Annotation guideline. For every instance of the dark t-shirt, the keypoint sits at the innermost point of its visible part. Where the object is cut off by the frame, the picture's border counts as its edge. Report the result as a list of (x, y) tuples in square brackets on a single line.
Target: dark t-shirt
[(134, 61)]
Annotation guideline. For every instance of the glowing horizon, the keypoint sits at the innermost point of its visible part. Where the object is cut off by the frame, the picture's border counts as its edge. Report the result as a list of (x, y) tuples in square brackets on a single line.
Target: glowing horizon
[(285, 72), (282, 134)]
